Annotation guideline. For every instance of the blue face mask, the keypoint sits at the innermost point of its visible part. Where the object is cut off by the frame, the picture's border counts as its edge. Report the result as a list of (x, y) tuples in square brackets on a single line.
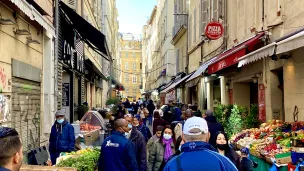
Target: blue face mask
[(130, 126), (60, 121)]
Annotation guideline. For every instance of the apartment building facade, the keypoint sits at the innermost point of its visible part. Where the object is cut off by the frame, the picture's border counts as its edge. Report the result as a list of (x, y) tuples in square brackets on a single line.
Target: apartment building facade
[(131, 66), (26, 61)]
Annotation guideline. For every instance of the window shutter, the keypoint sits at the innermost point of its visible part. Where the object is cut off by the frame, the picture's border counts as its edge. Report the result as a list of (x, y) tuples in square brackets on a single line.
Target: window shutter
[(177, 60), (204, 14), (220, 9), (190, 29), (215, 10), (194, 25)]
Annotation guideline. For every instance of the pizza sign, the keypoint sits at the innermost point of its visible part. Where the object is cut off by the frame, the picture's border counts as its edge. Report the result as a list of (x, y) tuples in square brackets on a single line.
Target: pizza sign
[(214, 30)]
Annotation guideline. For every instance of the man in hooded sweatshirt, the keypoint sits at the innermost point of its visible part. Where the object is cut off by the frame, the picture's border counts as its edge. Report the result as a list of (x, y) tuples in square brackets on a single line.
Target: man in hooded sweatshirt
[(62, 138), (213, 126)]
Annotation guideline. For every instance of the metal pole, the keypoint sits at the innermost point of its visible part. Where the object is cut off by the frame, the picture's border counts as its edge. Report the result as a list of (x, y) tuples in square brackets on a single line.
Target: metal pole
[(56, 53)]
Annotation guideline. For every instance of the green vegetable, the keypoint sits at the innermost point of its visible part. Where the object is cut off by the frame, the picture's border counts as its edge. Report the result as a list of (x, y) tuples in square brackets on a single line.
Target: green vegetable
[(85, 162)]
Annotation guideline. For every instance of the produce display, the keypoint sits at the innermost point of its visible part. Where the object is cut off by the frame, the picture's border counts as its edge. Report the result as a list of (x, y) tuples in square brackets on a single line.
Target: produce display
[(88, 127), (85, 161), (272, 138)]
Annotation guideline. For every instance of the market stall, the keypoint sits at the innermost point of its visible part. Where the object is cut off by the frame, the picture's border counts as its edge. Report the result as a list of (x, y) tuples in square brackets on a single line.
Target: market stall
[(90, 130), (282, 142)]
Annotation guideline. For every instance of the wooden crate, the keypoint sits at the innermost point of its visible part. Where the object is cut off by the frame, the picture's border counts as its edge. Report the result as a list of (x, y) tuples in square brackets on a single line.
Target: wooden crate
[(45, 168)]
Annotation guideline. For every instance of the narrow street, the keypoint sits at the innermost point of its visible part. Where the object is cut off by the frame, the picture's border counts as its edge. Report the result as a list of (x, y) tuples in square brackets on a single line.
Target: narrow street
[(114, 85)]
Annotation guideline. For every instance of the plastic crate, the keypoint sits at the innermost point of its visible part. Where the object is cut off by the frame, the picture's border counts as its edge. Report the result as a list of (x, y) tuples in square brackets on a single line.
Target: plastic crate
[(38, 156)]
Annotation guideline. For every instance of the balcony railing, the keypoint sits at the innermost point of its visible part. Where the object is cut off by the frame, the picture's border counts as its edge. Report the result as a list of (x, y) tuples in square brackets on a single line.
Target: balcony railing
[(180, 22)]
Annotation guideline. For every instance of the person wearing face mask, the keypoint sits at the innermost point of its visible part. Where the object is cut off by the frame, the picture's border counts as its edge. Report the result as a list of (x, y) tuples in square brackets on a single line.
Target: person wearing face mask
[(197, 154), (62, 138), (139, 144), (11, 156), (137, 122), (162, 150), (118, 152), (224, 149)]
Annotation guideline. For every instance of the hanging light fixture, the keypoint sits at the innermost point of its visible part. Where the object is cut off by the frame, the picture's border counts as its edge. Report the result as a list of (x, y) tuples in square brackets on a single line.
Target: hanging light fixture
[(255, 79)]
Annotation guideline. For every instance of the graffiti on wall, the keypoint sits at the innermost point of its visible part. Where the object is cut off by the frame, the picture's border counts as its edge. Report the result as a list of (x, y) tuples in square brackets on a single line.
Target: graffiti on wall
[(3, 79), (4, 108)]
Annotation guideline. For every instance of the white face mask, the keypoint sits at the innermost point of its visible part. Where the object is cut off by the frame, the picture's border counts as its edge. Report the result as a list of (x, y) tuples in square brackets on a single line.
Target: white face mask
[(167, 136)]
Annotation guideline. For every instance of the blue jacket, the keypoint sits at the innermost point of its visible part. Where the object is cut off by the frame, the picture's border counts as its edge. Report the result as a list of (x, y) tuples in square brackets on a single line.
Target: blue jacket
[(117, 154), (197, 156), (62, 138), (145, 131)]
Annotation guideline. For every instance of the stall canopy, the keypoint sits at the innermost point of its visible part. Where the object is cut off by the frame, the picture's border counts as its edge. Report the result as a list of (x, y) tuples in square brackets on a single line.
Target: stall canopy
[(261, 53), (90, 64), (198, 72), (94, 38), (231, 56), (117, 84), (293, 42), (176, 84)]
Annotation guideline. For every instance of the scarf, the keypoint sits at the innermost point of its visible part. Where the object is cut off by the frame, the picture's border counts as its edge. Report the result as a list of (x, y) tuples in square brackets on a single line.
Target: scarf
[(168, 150)]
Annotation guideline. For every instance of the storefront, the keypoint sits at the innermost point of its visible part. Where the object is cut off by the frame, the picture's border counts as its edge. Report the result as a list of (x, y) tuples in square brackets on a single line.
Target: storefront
[(79, 77), (26, 45)]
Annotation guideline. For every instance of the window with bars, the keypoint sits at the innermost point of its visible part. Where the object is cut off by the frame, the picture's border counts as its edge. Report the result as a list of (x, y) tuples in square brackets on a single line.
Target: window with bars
[(126, 66), (134, 66)]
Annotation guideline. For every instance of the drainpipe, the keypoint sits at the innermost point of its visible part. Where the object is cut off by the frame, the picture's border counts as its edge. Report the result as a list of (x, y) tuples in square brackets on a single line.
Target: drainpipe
[(56, 23), (187, 44)]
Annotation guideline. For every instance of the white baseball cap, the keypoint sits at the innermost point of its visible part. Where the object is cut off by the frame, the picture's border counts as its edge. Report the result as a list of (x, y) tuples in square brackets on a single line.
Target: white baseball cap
[(195, 122)]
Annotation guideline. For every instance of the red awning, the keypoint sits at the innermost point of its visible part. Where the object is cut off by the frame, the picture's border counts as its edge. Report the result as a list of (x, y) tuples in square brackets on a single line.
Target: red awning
[(231, 56)]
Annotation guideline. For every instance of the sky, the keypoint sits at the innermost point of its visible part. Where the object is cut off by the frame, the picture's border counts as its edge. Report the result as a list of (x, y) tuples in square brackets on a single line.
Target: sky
[(133, 14)]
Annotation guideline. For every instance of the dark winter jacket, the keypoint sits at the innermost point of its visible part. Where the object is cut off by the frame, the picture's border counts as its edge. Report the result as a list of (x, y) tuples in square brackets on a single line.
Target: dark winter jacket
[(144, 131), (176, 115), (213, 127), (140, 149), (62, 138), (117, 154), (198, 156), (158, 122), (246, 164), (150, 108)]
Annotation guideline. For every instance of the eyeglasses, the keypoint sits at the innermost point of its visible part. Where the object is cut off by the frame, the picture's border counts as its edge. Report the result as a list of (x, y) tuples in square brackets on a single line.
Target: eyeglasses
[(5, 132)]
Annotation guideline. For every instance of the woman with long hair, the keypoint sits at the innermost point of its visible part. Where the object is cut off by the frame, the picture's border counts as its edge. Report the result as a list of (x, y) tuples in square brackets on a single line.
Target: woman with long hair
[(224, 148), (162, 150)]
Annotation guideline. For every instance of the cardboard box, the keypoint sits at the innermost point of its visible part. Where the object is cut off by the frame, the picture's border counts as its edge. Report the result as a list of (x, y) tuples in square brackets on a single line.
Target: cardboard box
[(45, 168), (91, 137), (283, 158)]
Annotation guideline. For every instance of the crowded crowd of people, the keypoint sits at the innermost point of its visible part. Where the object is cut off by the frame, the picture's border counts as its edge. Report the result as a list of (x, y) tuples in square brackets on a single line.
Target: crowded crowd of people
[(145, 138)]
